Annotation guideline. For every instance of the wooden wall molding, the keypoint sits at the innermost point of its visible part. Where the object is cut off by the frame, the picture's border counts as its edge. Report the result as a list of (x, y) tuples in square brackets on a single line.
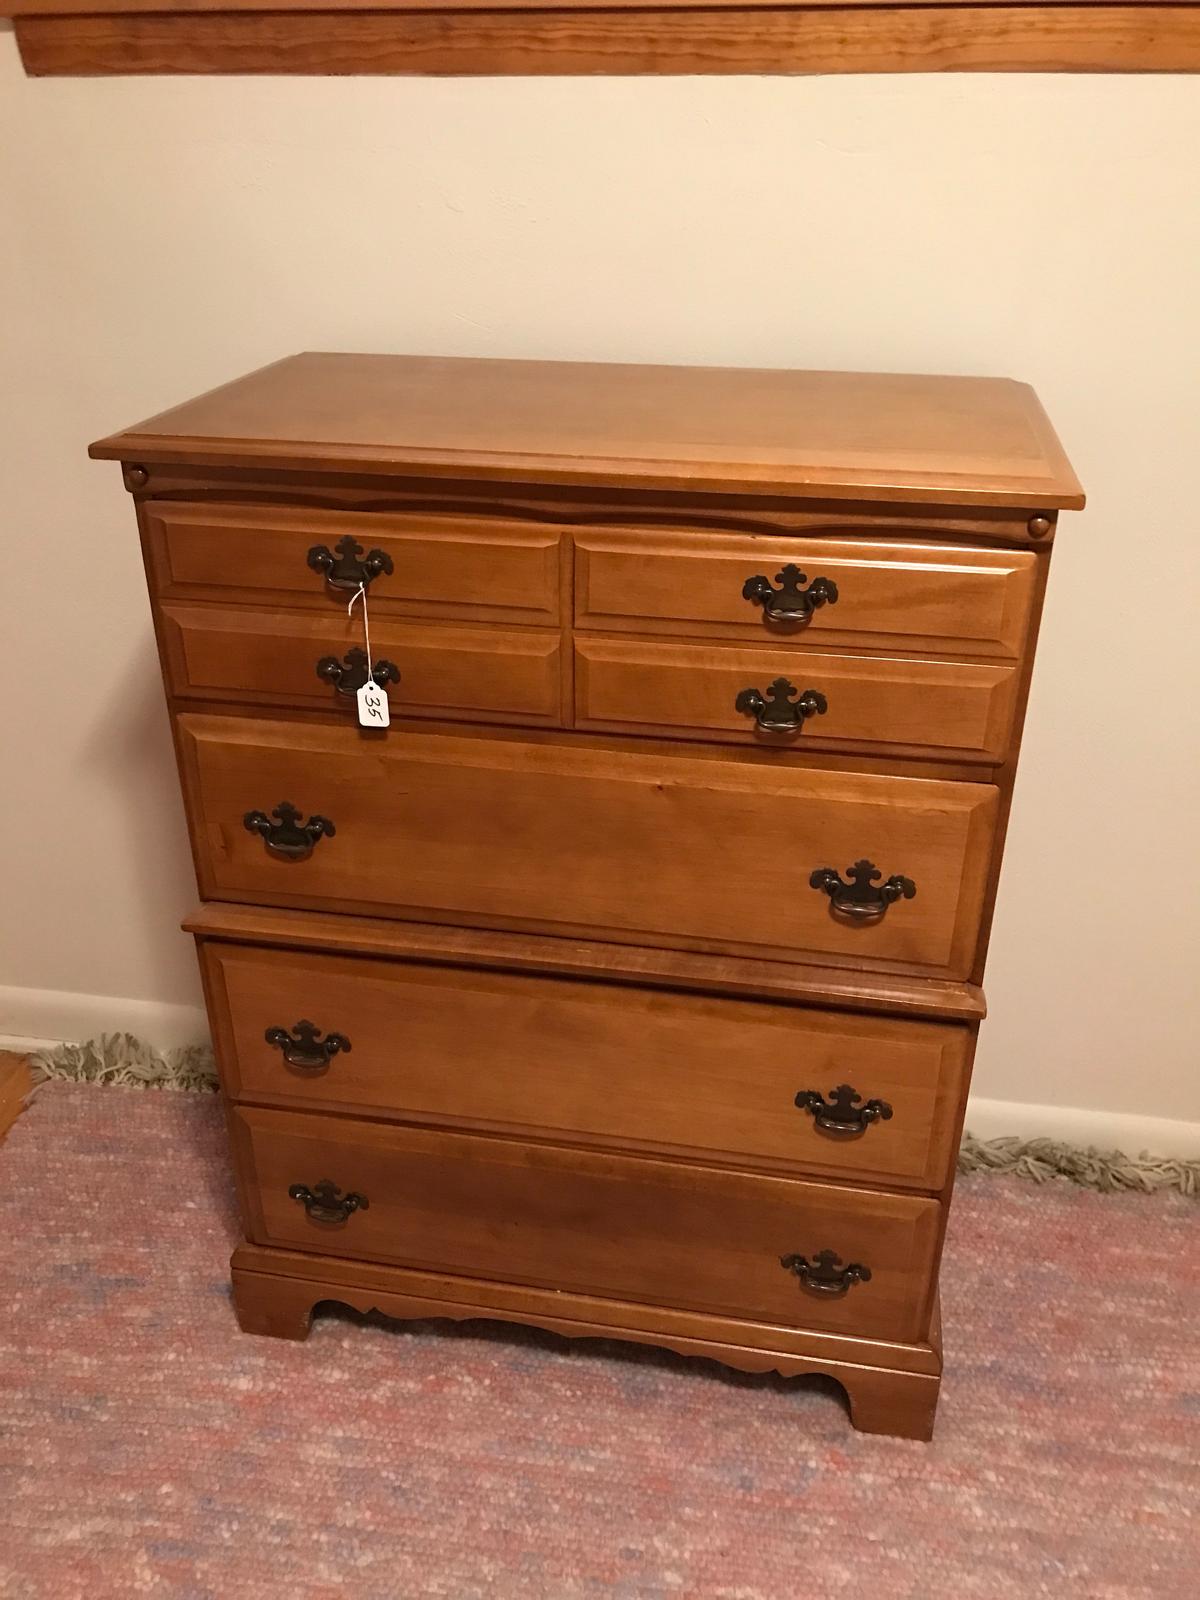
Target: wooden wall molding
[(82, 38), (16, 1084)]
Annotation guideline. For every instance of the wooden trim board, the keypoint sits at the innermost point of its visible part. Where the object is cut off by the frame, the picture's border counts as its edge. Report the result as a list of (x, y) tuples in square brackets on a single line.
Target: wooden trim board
[(421, 37), (15, 1083), (66, 8)]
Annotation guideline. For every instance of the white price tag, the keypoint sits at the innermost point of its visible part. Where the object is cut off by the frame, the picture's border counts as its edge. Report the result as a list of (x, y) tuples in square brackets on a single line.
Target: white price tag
[(373, 709)]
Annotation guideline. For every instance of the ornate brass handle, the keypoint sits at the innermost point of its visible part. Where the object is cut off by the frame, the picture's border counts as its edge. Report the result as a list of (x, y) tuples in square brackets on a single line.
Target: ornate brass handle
[(350, 673), (844, 1115), (304, 1048), (825, 1274), (348, 569), (287, 836), (860, 900), (790, 603), (324, 1202), (776, 711)]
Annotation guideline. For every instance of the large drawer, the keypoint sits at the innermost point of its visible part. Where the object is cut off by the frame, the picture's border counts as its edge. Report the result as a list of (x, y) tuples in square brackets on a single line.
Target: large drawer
[(701, 851), (895, 594), (656, 1231), (271, 658), (879, 705), (444, 567), (595, 1063)]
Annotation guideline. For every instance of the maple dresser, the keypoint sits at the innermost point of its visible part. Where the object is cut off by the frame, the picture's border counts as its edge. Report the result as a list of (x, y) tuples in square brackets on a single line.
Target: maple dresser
[(627, 982)]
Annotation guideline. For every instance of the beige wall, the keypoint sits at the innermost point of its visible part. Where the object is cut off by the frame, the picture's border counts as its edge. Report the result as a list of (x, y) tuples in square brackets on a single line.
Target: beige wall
[(158, 236)]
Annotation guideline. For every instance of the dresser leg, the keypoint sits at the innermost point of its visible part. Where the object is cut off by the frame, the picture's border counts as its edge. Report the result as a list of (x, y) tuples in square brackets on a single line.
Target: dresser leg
[(281, 1308), (902, 1404)]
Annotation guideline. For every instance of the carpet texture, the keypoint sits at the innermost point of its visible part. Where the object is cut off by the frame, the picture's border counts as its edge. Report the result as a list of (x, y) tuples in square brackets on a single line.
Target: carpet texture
[(149, 1448)]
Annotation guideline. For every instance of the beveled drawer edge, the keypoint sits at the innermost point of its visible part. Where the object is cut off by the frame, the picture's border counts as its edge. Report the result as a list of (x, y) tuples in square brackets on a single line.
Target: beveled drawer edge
[(797, 983), (596, 1315)]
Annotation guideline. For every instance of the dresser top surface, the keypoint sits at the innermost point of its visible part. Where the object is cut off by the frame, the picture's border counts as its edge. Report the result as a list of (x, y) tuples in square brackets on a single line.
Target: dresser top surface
[(840, 435)]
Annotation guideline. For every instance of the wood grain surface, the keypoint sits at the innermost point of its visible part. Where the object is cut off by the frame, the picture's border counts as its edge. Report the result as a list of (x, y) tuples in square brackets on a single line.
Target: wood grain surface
[(943, 710), (66, 8), (813, 38), (917, 1356), (671, 1234), (880, 1399), (918, 597), (793, 982), (15, 1085), (269, 658), (556, 837), (891, 1387), (875, 436), (581, 972), (444, 568), (586, 1062)]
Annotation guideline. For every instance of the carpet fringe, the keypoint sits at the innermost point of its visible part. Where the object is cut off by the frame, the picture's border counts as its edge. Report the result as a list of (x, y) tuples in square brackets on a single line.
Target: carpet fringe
[(124, 1059), (1109, 1171), (121, 1058)]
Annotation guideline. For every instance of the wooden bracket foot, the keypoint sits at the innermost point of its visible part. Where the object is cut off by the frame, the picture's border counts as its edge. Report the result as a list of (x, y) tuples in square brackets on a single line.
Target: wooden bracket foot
[(899, 1400)]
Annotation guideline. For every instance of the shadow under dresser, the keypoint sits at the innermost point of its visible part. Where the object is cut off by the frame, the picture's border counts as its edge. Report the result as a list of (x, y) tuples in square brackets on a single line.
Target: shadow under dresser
[(626, 983)]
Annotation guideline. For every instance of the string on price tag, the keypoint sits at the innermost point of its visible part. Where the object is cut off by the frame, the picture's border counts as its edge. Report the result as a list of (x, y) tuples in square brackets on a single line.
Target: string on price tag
[(373, 708)]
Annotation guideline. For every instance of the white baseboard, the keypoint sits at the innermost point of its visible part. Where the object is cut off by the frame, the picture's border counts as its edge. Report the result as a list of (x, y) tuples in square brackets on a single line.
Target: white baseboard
[(1107, 1130), (33, 1018)]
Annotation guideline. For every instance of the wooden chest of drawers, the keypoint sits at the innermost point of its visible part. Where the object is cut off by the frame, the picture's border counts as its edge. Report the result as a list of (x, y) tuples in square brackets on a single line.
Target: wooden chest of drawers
[(627, 984)]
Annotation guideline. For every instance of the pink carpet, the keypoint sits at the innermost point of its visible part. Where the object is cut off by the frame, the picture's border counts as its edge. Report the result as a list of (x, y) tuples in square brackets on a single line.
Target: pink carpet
[(148, 1448)]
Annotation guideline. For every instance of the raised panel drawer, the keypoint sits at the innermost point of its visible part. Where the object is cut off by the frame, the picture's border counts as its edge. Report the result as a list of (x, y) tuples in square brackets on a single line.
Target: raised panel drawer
[(700, 851), (922, 598), (443, 567), (655, 1231), (947, 710), (595, 1063), (270, 658)]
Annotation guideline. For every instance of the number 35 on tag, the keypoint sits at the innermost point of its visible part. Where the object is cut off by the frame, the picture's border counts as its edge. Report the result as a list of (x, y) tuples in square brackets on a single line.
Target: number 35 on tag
[(373, 710)]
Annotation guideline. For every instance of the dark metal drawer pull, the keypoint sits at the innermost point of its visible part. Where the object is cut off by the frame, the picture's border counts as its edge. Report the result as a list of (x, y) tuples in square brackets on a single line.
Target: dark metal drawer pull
[(825, 1274), (860, 900), (345, 571), (304, 1048), (776, 712), (325, 1203), (350, 673), (790, 603), (843, 1114), (288, 837)]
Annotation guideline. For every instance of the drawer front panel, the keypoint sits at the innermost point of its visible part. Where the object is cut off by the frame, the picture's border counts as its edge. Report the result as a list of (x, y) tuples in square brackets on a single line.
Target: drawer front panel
[(913, 597), (653, 1231), (270, 658), (648, 847), (598, 1063), (887, 706), (442, 567)]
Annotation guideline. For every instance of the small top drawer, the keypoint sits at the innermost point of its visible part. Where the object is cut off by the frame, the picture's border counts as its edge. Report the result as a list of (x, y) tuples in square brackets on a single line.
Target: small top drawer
[(431, 567), (916, 597), (315, 660)]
